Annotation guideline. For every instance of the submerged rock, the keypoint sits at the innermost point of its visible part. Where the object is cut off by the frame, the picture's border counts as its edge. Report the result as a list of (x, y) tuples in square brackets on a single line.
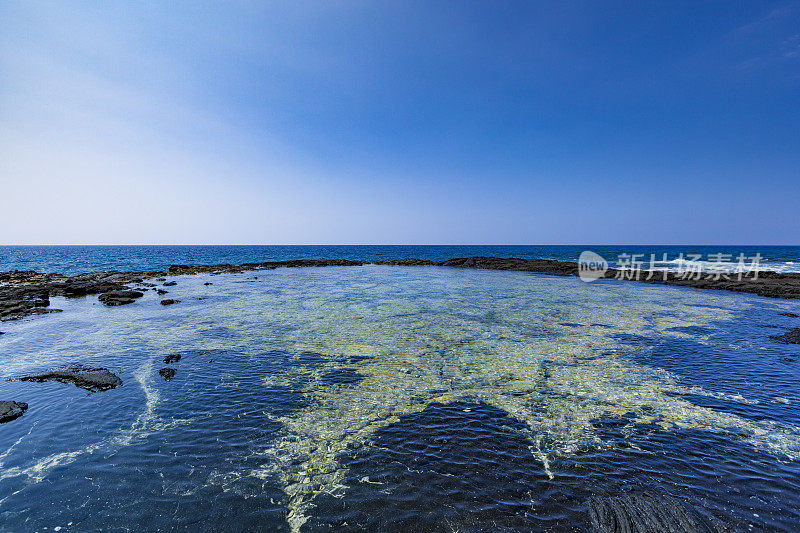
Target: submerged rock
[(790, 337), (11, 410), (791, 315), (91, 379), (119, 297), (170, 283), (172, 358), (161, 292), (167, 373), (641, 512), (169, 301)]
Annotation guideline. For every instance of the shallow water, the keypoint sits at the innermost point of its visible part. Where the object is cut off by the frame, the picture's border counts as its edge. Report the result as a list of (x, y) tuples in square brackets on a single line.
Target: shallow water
[(393, 398)]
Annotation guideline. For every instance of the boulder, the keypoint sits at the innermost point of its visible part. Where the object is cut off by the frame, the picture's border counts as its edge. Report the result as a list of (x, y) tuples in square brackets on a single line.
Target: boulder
[(91, 379), (119, 297), (167, 373), (169, 301), (11, 410)]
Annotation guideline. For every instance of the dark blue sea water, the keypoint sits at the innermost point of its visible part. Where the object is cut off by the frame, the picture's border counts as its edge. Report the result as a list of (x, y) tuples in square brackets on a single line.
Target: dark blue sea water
[(390, 398), (78, 259)]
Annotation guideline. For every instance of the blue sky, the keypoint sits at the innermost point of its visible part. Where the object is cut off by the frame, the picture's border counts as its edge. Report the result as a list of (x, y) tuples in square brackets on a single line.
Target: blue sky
[(400, 122)]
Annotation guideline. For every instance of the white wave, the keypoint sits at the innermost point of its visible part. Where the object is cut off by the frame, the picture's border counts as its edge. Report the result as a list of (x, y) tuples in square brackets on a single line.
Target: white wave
[(146, 423)]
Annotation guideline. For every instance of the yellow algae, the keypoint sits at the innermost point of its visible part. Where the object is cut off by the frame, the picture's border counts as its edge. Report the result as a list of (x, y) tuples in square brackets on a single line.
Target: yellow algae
[(414, 352)]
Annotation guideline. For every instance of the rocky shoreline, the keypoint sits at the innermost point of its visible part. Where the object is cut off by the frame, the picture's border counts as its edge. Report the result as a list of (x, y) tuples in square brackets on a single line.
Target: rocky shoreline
[(24, 293)]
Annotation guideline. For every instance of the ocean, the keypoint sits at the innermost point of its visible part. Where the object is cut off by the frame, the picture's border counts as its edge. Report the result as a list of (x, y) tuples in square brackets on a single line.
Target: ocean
[(78, 259), (392, 398)]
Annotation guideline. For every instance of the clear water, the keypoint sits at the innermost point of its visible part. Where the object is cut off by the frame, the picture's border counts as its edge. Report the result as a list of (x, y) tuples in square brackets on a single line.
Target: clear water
[(78, 259), (394, 398)]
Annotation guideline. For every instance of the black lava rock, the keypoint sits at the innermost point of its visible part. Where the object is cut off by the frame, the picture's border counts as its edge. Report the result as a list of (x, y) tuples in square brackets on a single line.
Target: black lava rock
[(172, 358), (119, 297), (91, 379), (167, 373), (169, 302), (170, 283), (11, 410), (790, 337)]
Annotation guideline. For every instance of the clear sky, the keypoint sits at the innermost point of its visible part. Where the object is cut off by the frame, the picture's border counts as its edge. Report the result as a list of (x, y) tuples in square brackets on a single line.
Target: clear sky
[(400, 122)]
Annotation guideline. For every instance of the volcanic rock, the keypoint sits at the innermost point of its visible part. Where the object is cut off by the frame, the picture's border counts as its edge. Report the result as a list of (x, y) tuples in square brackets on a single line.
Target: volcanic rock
[(11, 410), (119, 297), (790, 337), (91, 379)]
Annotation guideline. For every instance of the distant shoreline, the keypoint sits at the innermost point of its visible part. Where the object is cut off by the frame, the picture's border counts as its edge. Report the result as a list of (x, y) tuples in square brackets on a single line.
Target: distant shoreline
[(71, 260)]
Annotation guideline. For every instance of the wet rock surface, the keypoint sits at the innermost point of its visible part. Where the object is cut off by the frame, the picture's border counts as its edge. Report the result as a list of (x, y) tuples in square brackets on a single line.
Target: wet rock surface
[(169, 301), (119, 297), (16, 302), (25, 292), (91, 379), (172, 358), (10, 410), (167, 373)]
